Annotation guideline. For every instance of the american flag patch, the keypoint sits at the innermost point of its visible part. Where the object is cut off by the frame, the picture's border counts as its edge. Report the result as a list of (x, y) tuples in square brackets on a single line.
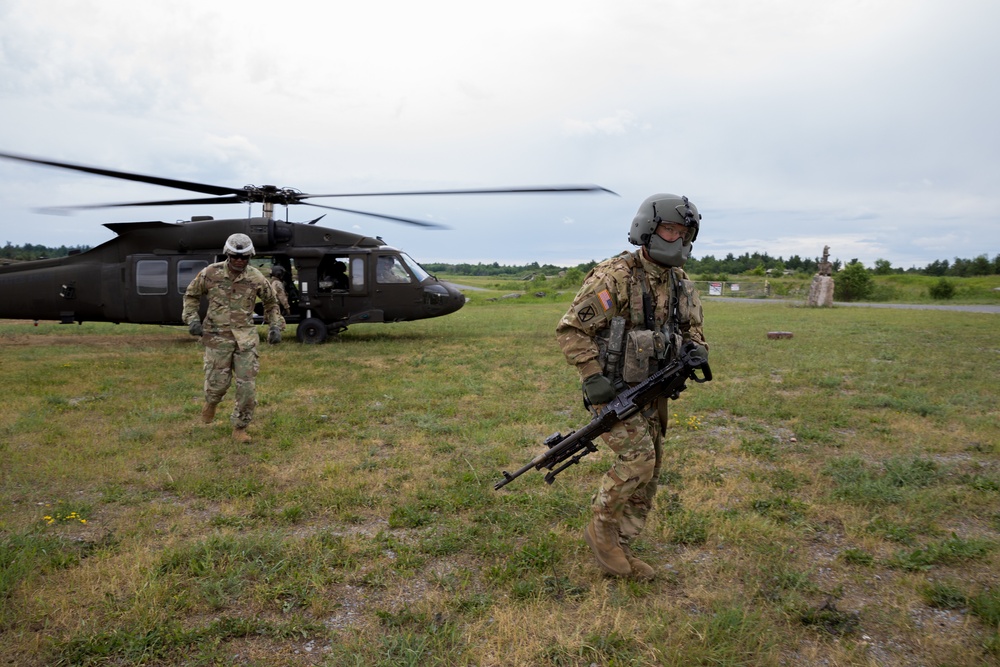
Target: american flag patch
[(605, 298)]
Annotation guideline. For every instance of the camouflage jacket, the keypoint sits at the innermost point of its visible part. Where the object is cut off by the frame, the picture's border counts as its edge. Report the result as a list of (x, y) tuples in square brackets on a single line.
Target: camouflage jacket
[(279, 293), (231, 299), (615, 288)]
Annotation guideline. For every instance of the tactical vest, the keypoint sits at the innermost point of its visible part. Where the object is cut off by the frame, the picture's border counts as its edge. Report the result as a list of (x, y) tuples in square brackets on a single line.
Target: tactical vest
[(634, 346)]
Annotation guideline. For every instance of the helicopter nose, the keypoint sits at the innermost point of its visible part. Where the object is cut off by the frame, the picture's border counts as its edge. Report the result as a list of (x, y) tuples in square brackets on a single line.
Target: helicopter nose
[(442, 298), (455, 297)]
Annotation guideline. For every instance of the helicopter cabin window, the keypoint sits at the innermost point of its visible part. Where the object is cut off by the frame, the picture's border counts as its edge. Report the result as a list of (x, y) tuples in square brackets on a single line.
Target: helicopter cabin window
[(390, 269), (333, 274), (187, 269), (358, 271), (151, 276)]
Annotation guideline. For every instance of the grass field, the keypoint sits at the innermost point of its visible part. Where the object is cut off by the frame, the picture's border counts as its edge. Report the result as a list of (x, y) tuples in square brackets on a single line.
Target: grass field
[(895, 288), (829, 499)]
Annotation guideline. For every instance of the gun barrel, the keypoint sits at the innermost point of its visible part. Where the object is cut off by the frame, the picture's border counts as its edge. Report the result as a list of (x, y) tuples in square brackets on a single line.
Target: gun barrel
[(562, 447), (508, 477)]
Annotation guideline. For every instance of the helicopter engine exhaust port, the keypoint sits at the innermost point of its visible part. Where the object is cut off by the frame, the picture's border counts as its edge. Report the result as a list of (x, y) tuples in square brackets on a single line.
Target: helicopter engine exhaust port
[(312, 331)]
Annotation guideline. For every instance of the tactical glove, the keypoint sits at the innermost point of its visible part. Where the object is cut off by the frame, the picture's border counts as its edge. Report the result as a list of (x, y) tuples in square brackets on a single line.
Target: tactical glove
[(598, 389), (195, 328), (693, 349), (273, 336)]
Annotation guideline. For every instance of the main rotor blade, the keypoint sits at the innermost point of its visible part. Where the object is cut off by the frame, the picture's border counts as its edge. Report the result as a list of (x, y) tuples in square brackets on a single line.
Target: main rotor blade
[(60, 210), (394, 218), (124, 175), (475, 191), (269, 193)]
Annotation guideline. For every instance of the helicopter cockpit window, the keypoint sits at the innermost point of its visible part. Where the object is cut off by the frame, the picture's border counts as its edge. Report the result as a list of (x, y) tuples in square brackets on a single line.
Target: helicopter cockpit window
[(187, 269), (390, 269), (151, 276), (415, 268)]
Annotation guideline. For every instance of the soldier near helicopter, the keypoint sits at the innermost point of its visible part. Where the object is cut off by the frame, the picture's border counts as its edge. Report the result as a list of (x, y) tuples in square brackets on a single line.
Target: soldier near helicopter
[(228, 332), (278, 285), (633, 314)]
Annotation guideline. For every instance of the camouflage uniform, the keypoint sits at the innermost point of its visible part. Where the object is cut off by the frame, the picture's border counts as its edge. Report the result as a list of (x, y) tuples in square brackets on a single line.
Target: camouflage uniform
[(230, 336), (616, 288), (279, 293)]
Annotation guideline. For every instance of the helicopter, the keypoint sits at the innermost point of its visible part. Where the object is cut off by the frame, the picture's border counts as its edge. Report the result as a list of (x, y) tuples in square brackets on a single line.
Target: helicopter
[(333, 278)]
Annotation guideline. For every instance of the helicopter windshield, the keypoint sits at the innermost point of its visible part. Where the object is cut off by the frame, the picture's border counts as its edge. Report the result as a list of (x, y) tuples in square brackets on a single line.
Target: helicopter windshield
[(415, 269), (390, 269)]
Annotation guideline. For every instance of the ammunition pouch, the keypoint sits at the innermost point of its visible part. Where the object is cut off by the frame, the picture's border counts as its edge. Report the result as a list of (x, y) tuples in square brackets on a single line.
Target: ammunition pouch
[(674, 343), (643, 350)]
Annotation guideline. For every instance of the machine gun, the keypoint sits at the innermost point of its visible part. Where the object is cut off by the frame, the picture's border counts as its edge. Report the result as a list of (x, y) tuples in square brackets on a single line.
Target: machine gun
[(566, 450)]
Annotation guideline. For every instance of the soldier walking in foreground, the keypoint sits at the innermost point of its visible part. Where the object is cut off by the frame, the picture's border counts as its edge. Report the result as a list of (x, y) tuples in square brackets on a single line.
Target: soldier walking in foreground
[(228, 333), (632, 316)]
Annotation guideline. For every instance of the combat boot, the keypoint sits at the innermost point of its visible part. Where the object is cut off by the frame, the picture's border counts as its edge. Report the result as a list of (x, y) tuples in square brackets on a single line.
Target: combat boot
[(240, 434), (602, 537), (640, 570), (208, 412)]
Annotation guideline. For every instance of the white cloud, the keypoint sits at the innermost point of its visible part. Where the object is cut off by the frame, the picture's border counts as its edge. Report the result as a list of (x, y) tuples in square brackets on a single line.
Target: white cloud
[(867, 125), (619, 123)]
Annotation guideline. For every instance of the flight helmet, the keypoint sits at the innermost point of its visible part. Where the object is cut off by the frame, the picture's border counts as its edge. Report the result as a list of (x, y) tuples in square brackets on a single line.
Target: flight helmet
[(665, 208)]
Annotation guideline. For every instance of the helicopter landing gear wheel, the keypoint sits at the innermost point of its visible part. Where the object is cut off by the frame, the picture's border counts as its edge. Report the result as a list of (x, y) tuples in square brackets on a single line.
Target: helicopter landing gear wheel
[(311, 331)]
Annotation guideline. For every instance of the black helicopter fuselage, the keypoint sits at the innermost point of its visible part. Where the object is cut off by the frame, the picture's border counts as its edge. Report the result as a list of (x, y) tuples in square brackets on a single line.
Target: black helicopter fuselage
[(333, 278)]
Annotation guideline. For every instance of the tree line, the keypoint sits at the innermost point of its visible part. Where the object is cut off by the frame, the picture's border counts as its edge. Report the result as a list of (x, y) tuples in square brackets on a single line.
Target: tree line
[(762, 263), (747, 263), (501, 270), (30, 251), (756, 262)]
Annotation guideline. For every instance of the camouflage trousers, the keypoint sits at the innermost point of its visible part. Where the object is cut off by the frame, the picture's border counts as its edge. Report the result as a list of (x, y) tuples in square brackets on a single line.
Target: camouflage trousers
[(224, 361), (625, 496)]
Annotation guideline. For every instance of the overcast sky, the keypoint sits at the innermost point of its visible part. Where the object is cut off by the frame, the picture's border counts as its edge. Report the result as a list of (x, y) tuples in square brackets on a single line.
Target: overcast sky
[(870, 126)]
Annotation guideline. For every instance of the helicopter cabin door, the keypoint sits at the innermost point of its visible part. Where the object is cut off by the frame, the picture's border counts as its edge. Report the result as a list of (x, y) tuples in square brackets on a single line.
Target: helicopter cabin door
[(155, 285), (340, 290)]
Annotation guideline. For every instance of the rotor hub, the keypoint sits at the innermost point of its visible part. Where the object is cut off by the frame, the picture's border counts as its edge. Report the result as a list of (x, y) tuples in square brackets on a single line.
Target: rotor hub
[(272, 194)]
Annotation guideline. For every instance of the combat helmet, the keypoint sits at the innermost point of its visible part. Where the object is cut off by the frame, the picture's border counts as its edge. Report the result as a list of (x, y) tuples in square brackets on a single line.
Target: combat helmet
[(278, 271), (665, 208), (239, 245)]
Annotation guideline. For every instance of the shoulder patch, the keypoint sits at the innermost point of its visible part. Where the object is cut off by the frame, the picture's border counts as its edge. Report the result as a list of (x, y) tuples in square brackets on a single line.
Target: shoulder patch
[(592, 310)]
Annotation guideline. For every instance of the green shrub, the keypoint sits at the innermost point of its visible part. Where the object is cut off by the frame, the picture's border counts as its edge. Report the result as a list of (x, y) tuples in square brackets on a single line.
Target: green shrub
[(854, 283), (942, 289)]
